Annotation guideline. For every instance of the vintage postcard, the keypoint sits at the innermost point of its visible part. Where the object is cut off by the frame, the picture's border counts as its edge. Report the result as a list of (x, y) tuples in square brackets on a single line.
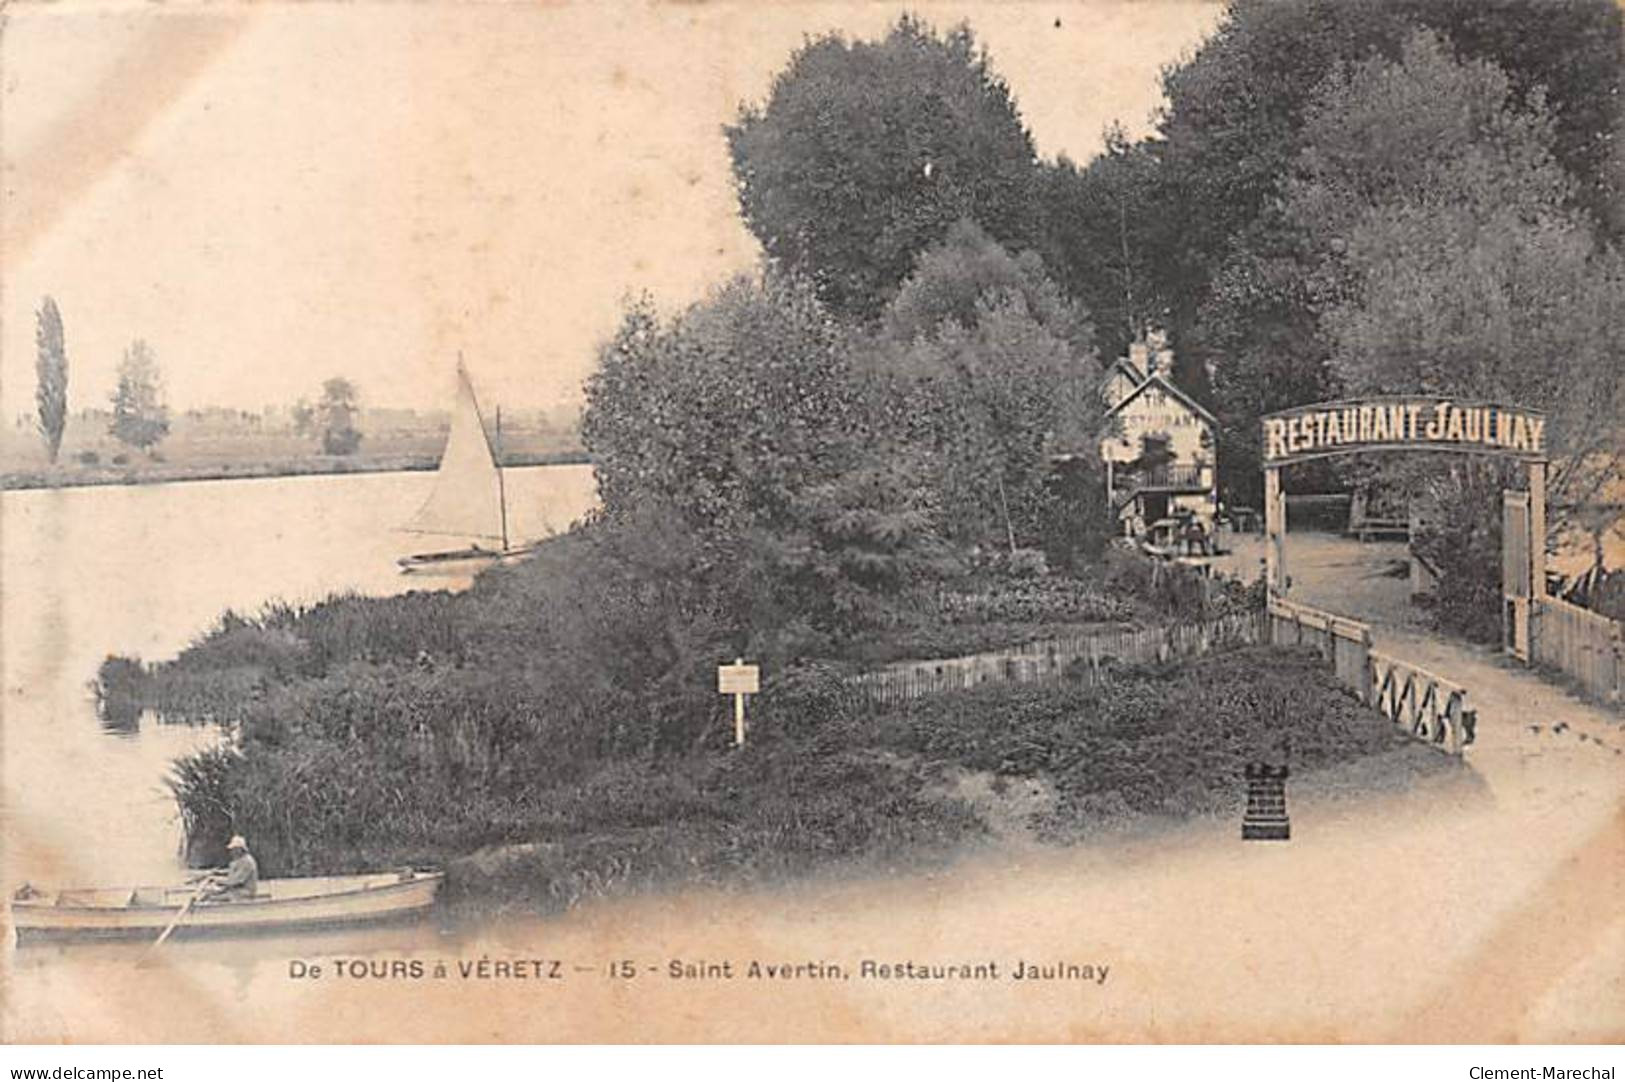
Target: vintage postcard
[(812, 522)]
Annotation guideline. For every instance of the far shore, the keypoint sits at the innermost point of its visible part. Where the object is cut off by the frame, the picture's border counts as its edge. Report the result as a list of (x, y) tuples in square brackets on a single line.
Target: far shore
[(66, 475)]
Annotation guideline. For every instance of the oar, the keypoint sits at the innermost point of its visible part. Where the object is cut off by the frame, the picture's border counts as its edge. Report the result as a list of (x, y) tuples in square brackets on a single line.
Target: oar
[(175, 923)]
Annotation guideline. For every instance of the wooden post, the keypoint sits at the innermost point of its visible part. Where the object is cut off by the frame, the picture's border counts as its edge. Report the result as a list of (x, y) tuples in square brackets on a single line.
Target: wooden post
[(502, 490), (1365, 666), (1274, 527), (739, 712), (1111, 500), (1616, 688), (1537, 530)]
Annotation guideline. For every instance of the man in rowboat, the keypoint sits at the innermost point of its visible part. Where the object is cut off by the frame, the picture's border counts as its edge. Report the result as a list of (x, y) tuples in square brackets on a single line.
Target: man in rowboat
[(241, 878)]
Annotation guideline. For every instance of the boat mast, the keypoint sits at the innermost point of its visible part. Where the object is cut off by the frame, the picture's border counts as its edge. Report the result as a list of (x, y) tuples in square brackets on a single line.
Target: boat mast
[(502, 489)]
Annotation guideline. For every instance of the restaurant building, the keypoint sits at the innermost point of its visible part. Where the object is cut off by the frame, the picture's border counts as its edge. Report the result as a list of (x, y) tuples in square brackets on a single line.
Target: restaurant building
[(1160, 444)]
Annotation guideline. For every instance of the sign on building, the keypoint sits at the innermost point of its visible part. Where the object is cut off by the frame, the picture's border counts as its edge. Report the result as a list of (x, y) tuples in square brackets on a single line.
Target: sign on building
[(1413, 424)]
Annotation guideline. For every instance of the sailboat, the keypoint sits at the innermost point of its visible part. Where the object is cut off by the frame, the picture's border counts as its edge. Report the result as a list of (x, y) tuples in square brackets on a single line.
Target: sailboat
[(469, 498)]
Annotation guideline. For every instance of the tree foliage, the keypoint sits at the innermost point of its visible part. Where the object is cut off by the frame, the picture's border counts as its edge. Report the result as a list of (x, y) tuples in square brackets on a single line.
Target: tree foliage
[(1101, 237), (1235, 275), (336, 415), (728, 411), (866, 152), (140, 417), (955, 280), (984, 370), (51, 376), (1234, 122), (1469, 271), (739, 422)]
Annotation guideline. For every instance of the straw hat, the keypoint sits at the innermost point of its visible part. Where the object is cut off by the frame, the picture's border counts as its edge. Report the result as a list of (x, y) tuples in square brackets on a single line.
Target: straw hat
[(237, 843)]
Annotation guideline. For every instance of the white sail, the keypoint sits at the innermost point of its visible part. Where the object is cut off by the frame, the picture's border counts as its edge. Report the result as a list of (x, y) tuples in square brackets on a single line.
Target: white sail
[(466, 500)]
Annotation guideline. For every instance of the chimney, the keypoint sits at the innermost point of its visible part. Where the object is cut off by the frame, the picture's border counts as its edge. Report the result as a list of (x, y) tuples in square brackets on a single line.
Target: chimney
[(1162, 363), (1162, 358), (1139, 355)]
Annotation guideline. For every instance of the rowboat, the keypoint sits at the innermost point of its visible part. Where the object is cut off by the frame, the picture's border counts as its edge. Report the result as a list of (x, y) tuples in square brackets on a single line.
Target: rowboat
[(278, 905)]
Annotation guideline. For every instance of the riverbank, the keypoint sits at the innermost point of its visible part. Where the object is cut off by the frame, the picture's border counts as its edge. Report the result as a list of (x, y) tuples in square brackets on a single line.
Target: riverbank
[(79, 475), (358, 771), (566, 706)]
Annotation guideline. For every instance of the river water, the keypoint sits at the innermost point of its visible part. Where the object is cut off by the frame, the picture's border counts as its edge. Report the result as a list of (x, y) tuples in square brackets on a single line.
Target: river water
[(142, 570)]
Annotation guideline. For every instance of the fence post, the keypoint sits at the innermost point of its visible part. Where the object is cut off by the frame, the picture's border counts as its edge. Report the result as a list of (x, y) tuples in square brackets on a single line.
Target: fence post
[(1537, 622), (1453, 720), (1365, 665)]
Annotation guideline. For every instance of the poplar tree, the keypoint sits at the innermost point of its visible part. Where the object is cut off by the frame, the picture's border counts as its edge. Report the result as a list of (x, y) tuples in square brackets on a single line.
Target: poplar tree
[(51, 370)]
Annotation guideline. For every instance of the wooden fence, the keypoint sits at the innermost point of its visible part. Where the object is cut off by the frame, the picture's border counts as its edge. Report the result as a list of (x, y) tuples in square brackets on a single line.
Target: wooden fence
[(1586, 645), (1424, 704), (1343, 642), (1088, 659)]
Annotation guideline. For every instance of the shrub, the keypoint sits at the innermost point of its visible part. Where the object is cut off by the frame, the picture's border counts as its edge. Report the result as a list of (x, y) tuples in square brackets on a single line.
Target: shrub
[(1175, 590), (1036, 600), (1460, 535), (805, 699)]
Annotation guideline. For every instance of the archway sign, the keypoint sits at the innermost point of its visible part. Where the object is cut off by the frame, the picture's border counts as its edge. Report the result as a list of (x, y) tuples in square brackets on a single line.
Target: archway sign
[(1421, 423)]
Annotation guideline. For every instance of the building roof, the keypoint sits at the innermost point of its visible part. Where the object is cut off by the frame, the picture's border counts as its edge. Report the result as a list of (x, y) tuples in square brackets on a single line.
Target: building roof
[(1126, 367), (1169, 386)]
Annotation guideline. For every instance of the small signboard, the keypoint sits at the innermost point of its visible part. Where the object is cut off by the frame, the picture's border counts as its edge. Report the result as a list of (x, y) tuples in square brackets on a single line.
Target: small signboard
[(739, 679)]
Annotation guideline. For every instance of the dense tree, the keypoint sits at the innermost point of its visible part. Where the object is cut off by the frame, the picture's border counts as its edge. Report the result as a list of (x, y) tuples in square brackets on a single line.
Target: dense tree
[(1261, 322), (335, 416), (1466, 271), (1101, 237), (303, 417), (866, 152), (728, 410), (985, 370), (952, 281), (140, 418), (1469, 271), (1230, 269), (51, 373), (738, 424)]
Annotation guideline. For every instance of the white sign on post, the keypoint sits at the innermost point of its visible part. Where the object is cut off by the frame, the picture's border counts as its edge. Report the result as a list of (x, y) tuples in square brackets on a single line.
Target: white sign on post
[(739, 680)]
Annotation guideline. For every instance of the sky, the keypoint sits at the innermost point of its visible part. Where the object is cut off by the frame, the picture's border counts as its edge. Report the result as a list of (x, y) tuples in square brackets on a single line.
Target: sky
[(274, 194)]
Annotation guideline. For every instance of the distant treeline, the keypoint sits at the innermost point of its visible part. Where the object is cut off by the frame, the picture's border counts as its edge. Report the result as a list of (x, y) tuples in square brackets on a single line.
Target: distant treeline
[(145, 472)]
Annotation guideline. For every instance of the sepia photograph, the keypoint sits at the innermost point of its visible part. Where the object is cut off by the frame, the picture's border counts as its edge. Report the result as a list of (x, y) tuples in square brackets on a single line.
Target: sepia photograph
[(1064, 522)]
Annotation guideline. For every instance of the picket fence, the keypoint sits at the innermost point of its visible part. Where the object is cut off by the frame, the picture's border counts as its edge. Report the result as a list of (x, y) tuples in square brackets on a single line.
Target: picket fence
[(1087, 659), (1586, 645)]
